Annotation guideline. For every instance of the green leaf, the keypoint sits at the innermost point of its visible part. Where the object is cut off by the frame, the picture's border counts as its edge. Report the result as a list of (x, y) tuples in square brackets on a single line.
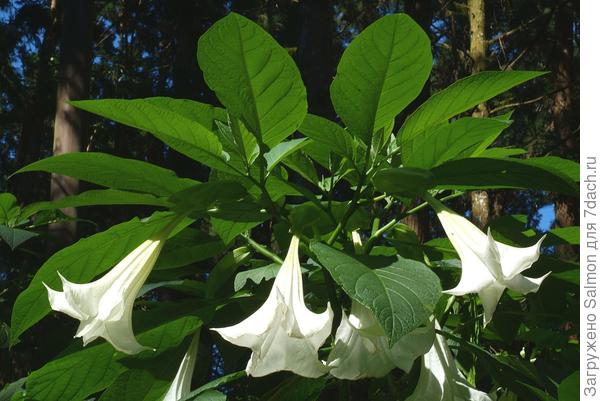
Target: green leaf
[(225, 268), (210, 395), (114, 172), (15, 236), (146, 380), (187, 247), (254, 77), (298, 388), (408, 181), (380, 73), (95, 197), (11, 389), (202, 196), (182, 124), (281, 151), (461, 96), (329, 134), (220, 381), (563, 235), (501, 152), (257, 275), (77, 375), (238, 140), (8, 207), (448, 141), (402, 295), (569, 388), (487, 173), (235, 218), (80, 263)]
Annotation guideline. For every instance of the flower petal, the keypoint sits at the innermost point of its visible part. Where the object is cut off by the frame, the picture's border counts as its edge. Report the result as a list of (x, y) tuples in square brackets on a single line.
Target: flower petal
[(440, 379), (525, 285), (182, 384), (490, 296), (279, 351), (105, 306), (473, 247), (515, 260), (357, 356), (283, 334), (412, 346)]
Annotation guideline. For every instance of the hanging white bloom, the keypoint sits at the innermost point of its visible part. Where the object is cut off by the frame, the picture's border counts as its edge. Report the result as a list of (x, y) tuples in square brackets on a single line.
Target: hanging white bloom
[(182, 384), (488, 266), (362, 348), (104, 306), (283, 334), (440, 379)]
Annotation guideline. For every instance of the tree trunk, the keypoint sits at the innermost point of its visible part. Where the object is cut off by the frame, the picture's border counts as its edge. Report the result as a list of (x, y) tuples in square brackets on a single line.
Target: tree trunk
[(315, 54), (566, 208), (191, 19), (422, 12), (35, 117), (480, 200), (70, 124)]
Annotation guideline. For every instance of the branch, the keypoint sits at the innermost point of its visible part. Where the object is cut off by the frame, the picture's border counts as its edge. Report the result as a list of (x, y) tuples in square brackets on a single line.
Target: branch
[(534, 100)]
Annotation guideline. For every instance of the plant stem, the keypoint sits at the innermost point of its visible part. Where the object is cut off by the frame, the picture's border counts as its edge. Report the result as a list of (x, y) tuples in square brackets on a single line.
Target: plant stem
[(263, 251)]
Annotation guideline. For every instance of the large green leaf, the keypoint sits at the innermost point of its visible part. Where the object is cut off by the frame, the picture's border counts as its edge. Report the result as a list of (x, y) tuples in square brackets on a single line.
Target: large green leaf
[(297, 388), (236, 217), (329, 134), (256, 275), (380, 73), (182, 124), (402, 294), (114, 172), (254, 77), (80, 263), (15, 236), (448, 141), (569, 388), (200, 197), (78, 374), (488, 173), (461, 96), (281, 151), (9, 207), (189, 246), (95, 197)]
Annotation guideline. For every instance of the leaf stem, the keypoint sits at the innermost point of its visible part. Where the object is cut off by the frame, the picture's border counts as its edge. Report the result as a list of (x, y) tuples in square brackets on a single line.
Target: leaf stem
[(263, 250)]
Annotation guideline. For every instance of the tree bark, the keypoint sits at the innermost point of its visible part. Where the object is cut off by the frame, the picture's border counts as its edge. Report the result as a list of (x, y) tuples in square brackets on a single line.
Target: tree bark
[(70, 125), (566, 208), (480, 200), (35, 118), (315, 54), (422, 12), (191, 19)]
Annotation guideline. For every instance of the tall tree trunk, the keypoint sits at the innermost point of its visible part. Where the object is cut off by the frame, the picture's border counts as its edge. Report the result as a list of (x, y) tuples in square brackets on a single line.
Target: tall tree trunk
[(35, 117), (422, 12), (315, 54), (191, 19), (566, 208), (480, 200), (70, 124)]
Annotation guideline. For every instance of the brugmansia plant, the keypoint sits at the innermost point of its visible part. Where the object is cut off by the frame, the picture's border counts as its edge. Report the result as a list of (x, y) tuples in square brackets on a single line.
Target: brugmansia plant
[(357, 297)]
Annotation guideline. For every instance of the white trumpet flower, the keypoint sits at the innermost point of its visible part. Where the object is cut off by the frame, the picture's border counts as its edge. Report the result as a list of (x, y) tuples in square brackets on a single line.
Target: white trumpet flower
[(362, 349), (488, 266), (283, 334), (440, 379), (104, 306), (182, 384)]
